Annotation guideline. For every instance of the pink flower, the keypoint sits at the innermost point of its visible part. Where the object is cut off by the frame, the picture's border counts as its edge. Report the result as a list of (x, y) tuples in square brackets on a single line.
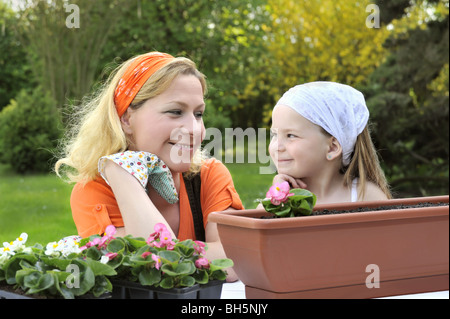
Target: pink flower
[(165, 240), (159, 228), (202, 263), (157, 260), (153, 236), (144, 255), (279, 193), (110, 231), (111, 256), (95, 241), (199, 247)]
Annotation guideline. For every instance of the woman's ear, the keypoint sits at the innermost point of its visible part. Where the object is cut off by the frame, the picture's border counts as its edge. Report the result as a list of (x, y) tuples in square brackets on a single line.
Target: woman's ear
[(334, 149), (125, 122)]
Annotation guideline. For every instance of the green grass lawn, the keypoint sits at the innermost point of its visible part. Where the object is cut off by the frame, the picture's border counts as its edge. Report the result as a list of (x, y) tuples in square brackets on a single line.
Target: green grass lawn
[(35, 204), (39, 204)]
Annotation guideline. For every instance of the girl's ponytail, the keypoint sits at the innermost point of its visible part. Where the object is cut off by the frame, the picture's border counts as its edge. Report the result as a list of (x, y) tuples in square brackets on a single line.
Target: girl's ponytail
[(365, 165)]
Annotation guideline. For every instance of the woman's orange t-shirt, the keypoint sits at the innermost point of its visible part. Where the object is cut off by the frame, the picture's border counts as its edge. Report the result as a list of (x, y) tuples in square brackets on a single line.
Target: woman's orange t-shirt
[(94, 206)]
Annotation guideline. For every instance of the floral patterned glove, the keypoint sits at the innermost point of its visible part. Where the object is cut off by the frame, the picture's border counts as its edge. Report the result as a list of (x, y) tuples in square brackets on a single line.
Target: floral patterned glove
[(146, 167)]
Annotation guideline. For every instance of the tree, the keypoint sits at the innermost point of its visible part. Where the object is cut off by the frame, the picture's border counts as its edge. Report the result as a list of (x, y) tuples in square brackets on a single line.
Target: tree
[(315, 40), (222, 37), (15, 73), (65, 41), (408, 96)]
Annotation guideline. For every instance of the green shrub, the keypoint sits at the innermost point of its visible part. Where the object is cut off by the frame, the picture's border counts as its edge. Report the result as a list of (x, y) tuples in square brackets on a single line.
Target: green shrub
[(29, 131)]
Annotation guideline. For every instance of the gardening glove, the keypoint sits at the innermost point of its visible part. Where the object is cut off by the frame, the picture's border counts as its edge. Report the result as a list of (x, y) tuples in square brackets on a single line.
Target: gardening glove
[(146, 167)]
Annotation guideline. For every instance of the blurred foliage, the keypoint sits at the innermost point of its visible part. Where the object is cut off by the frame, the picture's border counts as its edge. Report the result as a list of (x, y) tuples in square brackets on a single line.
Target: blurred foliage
[(252, 51), (29, 131), (15, 72), (408, 96)]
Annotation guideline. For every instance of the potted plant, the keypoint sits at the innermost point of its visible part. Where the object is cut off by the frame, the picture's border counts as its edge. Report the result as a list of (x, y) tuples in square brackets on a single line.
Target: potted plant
[(384, 248), (108, 266), (159, 267), (56, 271)]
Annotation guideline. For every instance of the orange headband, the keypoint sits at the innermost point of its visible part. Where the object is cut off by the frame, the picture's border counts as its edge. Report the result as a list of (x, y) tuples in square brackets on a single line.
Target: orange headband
[(135, 76)]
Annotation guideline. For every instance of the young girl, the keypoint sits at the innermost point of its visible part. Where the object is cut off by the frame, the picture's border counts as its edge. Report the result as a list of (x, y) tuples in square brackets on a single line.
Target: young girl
[(133, 144), (321, 142)]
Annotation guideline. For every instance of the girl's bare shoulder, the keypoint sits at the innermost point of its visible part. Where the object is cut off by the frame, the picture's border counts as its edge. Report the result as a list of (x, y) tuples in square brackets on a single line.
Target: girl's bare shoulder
[(373, 192)]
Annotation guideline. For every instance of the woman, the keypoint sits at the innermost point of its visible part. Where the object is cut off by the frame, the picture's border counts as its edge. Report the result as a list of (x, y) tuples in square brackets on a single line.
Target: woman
[(137, 141)]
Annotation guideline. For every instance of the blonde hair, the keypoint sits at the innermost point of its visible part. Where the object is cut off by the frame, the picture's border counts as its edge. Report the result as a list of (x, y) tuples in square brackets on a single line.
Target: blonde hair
[(95, 129), (365, 165)]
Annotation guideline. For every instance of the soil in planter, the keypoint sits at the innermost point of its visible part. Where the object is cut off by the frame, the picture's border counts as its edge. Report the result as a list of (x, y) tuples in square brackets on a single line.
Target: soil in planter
[(364, 209)]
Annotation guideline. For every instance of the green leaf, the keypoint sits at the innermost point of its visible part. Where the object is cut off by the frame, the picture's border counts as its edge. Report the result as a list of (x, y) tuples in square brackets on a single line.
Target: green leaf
[(100, 269), (184, 251), (218, 264), (184, 268), (169, 256), (85, 276), (59, 263), (201, 276), (93, 253), (135, 242), (116, 246), (218, 275), (44, 282), (13, 265), (187, 281), (149, 276), (167, 283), (22, 274), (283, 211), (116, 261), (31, 279), (102, 285)]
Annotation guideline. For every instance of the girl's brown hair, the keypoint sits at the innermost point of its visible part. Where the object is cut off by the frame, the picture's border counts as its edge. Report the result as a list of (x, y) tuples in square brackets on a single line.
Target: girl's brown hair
[(365, 165)]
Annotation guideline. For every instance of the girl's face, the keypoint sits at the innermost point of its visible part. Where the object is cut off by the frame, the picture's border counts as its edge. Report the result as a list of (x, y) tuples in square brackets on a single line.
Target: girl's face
[(169, 125), (298, 147)]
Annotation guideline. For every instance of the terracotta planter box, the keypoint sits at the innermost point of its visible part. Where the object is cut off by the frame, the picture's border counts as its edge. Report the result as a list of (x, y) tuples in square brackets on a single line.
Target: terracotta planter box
[(333, 256)]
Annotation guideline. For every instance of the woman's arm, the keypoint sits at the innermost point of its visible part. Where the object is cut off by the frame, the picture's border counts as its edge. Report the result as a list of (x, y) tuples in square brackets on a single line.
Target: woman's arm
[(139, 214), (215, 248)]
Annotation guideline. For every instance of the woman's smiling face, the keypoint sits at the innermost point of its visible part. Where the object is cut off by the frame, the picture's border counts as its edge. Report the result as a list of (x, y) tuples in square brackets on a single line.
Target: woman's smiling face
[(169, 125)]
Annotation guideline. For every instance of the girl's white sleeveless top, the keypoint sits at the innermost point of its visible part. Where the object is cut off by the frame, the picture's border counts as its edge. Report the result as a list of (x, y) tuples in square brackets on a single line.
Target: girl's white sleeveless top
[(354, 190)]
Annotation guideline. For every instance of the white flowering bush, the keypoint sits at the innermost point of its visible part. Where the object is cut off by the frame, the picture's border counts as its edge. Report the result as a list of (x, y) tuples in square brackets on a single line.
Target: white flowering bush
[(57, 270)]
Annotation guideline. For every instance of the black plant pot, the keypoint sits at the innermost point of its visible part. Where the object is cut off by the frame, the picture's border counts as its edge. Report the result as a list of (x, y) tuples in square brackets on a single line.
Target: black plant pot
[(131, 290), (12, 295), (6, 294)]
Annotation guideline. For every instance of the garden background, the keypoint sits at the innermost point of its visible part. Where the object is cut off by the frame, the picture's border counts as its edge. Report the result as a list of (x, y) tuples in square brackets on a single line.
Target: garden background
[(251, 51)]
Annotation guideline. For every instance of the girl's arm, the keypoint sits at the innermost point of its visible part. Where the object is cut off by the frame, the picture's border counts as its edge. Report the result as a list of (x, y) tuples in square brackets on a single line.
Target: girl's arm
[(139, 214)]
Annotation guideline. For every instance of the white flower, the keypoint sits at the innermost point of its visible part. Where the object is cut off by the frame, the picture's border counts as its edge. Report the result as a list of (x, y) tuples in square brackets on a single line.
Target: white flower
[(7, 249), (52, 249), (17, 245), (22, 239), (65, 247), (104, 259)]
